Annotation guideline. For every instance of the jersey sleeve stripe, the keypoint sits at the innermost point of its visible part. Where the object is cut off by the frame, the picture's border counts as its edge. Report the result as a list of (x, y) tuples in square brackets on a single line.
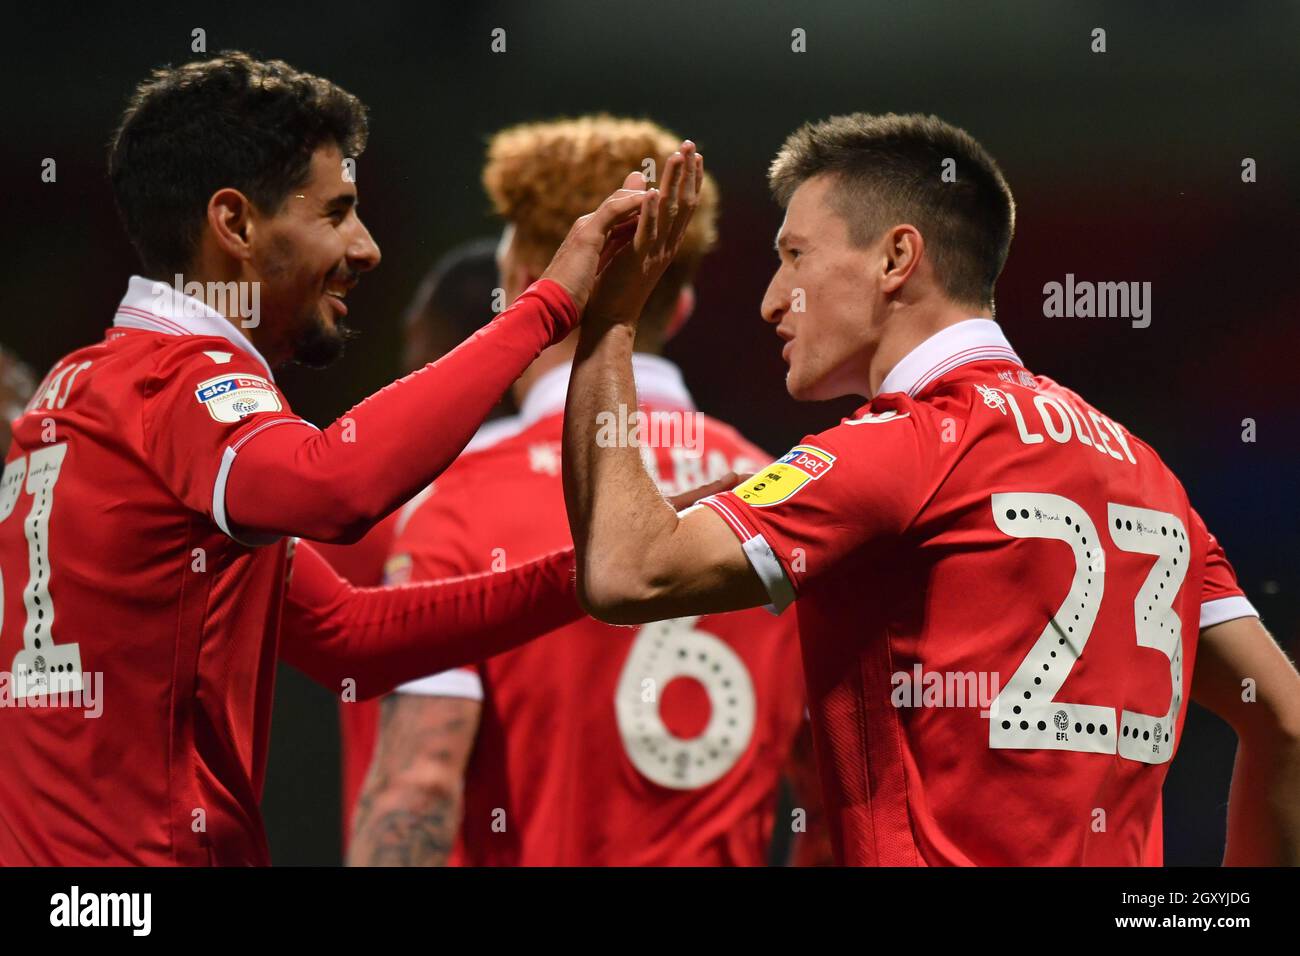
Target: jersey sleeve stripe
[(223, 476), (267, 424), (1226, 609), (761, 558), (456, 683), (219, 503), (726, 514)]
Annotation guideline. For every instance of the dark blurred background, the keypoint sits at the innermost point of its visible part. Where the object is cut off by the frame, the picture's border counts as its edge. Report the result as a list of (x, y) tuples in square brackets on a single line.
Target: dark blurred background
[(1126, 167)]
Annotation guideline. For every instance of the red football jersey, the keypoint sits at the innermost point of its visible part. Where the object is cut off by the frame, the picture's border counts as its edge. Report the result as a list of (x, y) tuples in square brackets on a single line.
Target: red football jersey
[(600, 745), (141, 638), (362, 564), (1000, 591), (117, 435)]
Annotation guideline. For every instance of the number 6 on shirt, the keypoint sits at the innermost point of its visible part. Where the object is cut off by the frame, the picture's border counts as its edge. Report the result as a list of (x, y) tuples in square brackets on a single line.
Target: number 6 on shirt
[(662, 652)]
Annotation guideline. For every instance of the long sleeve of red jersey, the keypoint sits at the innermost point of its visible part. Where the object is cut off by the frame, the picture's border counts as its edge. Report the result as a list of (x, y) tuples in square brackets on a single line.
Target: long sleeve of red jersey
[(382, 637), (332, 485)]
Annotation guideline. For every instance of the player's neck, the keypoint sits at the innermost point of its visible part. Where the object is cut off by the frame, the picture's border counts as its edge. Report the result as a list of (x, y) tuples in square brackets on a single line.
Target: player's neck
[(208, 279), (907, 328), (554, 357)]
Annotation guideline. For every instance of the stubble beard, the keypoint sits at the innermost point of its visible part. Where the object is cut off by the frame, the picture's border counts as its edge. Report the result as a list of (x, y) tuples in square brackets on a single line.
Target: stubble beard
[(318, 344)]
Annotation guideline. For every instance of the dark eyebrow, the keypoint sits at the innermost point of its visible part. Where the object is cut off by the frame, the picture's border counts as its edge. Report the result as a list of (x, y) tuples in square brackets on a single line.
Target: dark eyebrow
[(342, 202)]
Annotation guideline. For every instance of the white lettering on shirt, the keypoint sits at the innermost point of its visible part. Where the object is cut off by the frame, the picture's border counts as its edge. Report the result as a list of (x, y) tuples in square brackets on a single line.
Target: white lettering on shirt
[(1062, 421)]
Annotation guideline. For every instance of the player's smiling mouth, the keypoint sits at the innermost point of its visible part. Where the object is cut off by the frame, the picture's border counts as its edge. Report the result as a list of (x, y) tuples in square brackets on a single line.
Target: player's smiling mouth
[(336, 293)]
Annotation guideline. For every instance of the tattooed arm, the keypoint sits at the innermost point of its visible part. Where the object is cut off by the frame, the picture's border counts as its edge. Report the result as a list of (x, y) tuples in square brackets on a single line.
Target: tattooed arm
[(410, 806)]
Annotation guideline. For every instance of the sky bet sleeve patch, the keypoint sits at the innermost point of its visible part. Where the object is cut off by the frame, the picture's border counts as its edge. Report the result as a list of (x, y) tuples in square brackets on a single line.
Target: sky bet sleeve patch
[(236, 395), (780, 480)]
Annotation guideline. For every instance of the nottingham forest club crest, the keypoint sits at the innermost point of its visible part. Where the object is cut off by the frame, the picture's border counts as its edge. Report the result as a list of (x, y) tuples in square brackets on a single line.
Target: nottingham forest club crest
[(781, 479)]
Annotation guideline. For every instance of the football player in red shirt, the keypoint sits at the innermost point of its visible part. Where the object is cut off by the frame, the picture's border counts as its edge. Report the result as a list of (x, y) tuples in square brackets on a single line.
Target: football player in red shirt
[(662, 745), (974, 527), (156, 479)]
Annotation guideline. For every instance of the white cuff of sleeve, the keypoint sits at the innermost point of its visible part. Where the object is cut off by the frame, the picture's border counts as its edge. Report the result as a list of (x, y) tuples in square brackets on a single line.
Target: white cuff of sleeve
[(765, 564), (1226, 609), (455, 683)]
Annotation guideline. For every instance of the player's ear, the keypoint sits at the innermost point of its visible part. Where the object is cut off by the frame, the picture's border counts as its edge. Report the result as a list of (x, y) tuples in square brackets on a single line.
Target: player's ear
[(903, 248), (230, 220)]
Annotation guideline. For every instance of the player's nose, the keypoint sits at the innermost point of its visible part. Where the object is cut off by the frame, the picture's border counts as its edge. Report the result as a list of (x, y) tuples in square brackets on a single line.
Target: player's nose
[(363, 252), (776, 301)]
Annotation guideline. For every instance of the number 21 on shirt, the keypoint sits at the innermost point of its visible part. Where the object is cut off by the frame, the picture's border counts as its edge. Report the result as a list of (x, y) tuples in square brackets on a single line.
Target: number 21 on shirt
[(40, 666)]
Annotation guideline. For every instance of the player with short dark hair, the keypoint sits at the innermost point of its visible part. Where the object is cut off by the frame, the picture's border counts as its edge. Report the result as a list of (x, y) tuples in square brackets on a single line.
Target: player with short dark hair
[(882, 171), (453, 301), (254, 126), (1001, 591), (158, 478)]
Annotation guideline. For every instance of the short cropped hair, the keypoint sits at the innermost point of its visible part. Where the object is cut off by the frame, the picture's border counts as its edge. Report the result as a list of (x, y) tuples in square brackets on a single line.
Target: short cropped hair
[(229, 122), (887, 170), (455, 296), (543, 176)]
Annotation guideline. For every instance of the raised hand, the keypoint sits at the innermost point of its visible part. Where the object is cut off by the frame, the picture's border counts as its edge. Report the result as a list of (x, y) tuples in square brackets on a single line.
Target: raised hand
[(635, 267), (595, 239)]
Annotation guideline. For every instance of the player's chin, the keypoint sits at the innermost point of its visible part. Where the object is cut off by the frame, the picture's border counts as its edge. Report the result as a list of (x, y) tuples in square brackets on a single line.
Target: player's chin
[(321, 340), (818, 381), (801, 386)]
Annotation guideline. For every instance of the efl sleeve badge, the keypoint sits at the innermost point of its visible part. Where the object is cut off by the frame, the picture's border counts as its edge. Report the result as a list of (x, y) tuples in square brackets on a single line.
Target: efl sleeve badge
[(231, 397), (780, 480)]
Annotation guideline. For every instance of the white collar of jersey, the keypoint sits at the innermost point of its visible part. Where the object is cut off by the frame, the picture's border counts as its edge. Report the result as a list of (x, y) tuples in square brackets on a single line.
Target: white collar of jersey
[(658, 382), (974, 340), (157, 306)]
